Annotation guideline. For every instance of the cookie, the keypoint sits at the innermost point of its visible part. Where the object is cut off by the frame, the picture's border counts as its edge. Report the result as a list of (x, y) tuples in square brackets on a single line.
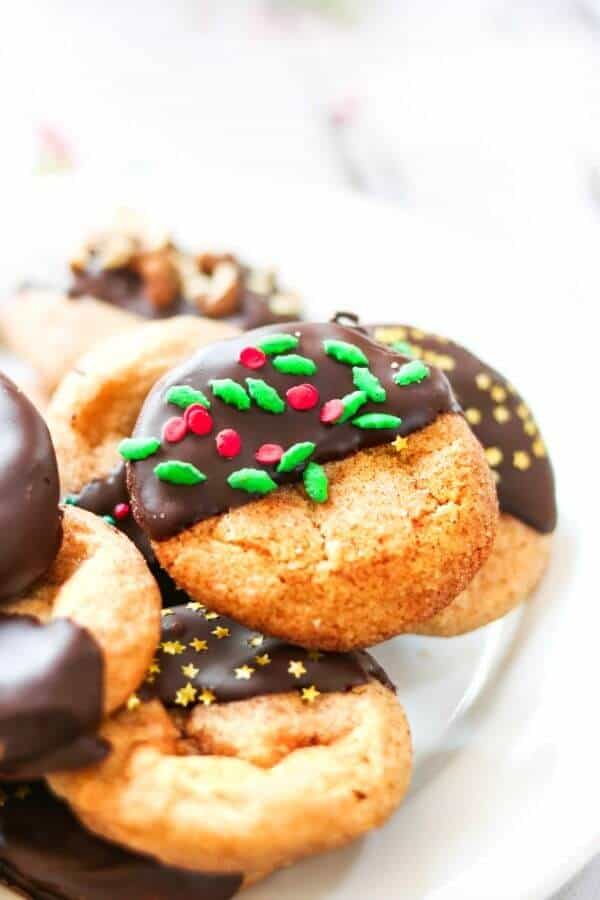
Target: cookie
[(48, 855), (516, 453), (244, 754), (285, 477)]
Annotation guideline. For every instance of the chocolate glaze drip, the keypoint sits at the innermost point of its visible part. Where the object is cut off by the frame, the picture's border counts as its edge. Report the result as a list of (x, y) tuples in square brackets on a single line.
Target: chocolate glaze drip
[(51, 680), (163, 509), (47, 854), (499, 418), (232, 650), (30, 520)]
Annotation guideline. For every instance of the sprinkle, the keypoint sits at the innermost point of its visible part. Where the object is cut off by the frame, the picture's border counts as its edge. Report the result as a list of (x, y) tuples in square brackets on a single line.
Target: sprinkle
[(173, 648), (263, 660), (501, 414), (529, 427), (521, 460), (174, 430), (494, 455), (343, 352), (167, 612), (400, 443), (366, 381), (412, 373), (310, 694), (278, 343), (256, 641), (293, 364), (244, 673), (403, 347), (253, 481), (154, 668), (133, 702), (296, 668), (498, 393), (264, 395), (302, 396), (71, 500), (252, 357), (186, 695), (229, 443), (207, 697), (195, 606), (331, 411), (109, 520), (198, 645), (352, 403), (190, 671), (539, 448), (314, 655), (269, 454), (473, 416), (183, 395), (210, 615), (176, 472), (523, 411), (138, 448), (388, 335), (199, 420), (377, 420), (230, 392), (296, 455), (483, 381), (316, 482), (121, 510), (220, 632)]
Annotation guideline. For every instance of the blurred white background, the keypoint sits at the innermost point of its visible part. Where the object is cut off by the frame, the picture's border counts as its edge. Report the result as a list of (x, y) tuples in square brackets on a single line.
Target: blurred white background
[(481, 114)]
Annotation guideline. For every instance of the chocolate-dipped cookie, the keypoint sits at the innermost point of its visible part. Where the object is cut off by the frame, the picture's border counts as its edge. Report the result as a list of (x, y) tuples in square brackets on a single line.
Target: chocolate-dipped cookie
[(243, 753), (284, 476), (514, 448)]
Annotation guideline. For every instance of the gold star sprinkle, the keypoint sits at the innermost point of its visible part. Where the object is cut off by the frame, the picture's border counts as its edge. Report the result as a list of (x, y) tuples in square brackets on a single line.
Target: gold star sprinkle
[(539, 448), (493, 455), (220, 632), (211, 615), (501, 414), (194, 606), (483, 381), (296, 668), (314, 655), (198, 645), (190, 671), (418, 334), (153, 668), (523, 411), (498, 393), (256, 641), (186, 695), (244, 673), (529, 427), (173, 648), (263, 660), (23, 791), (133, 702), (473, 416), (390, 335), (166, 612), (399, 443), (206, 697), (310, 694), (521, 460)]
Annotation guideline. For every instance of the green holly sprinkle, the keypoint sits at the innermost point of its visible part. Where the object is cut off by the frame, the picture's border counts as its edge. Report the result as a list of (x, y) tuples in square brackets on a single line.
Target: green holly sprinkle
[(183, 395), (176, 472), (230, 392), (110, 519), (278, 343), (138, 448), (293, 364), (264, 395), (316, 482), (71, 500), (295, 456), (377, 420), (412, 373), (343, 352), (403, 347), (365, 381), (352, 403), (254, 481)]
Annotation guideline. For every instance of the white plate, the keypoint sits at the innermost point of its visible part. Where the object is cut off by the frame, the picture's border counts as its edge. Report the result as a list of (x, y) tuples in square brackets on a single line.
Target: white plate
[(504, 803)]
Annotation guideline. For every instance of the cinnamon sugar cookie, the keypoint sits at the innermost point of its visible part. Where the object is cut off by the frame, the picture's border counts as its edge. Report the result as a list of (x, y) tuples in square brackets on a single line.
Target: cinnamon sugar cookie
[(516, 454), (286, 477), (243, 753)]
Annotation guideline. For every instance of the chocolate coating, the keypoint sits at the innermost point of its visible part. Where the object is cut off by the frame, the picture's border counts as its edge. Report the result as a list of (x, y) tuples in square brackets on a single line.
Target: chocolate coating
[(499, 418), (47, 854), (230, 648), (30, 520), (163, 509), (51, 685)]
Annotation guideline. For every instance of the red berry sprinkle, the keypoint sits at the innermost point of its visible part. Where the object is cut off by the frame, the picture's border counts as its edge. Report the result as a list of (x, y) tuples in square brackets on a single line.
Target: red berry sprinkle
[(199, 420), (174, 430), (252, 358), (302, 396), (229, 443), (331, 411), (121, 510), (268, 454)]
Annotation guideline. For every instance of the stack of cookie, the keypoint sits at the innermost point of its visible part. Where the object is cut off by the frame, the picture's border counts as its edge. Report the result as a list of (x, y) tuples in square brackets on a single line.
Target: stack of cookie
[(185, 637)]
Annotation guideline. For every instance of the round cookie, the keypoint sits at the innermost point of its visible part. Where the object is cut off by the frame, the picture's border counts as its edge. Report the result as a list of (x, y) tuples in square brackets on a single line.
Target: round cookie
[(503, 423), (244, 754), (392, 479)]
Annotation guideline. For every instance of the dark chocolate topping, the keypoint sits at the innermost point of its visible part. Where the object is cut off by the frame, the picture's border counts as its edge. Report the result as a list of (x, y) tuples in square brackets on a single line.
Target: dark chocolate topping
[(46, 853), (164, 509), (500, 419), (30, 520), (204, 658), (51, 684)]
